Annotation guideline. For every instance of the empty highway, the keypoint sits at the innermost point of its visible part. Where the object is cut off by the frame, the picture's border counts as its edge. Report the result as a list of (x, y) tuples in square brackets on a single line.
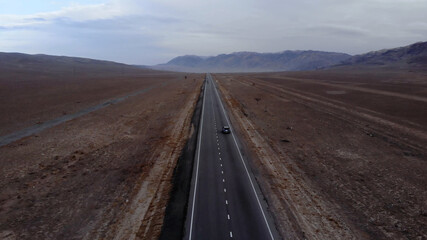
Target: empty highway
[(224, 201)]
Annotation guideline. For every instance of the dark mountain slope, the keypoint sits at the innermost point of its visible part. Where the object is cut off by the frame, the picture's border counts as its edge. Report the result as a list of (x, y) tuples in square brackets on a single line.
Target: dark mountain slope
[(414, 54), (18, 63)]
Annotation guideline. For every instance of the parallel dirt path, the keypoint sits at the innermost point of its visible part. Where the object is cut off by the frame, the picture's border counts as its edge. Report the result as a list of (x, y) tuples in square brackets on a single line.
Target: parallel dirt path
[(336, 164), (361, 89), (300, 211), (104, 175), (143, 219)]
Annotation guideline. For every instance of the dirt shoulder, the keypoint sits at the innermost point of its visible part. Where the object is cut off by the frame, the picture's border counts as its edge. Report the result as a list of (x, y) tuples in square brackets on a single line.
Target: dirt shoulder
[(336, 162), (104, 175)]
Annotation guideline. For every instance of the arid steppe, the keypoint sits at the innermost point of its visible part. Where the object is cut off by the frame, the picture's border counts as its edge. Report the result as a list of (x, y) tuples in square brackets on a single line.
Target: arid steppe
[(103, 175), (339, 154)]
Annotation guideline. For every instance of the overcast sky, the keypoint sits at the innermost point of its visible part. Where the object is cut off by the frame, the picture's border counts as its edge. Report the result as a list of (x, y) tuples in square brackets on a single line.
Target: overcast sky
[(154, 31)]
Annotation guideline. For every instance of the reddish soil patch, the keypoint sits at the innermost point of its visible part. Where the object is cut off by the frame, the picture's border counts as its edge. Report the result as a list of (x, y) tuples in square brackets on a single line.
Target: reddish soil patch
[(79, 180), (340, 154)]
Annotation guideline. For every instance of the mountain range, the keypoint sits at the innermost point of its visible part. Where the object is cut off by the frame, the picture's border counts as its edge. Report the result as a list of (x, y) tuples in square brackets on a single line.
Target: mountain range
[(411, 55), (414, 55), (255, 62), (12, 64)]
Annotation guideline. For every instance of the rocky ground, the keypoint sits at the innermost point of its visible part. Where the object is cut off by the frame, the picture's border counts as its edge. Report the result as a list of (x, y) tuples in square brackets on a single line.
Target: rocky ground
[(339, 154), (104, 175)]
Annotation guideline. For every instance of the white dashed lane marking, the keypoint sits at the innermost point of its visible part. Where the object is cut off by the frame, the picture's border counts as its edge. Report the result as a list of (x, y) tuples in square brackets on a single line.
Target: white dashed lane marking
[(222, 172)]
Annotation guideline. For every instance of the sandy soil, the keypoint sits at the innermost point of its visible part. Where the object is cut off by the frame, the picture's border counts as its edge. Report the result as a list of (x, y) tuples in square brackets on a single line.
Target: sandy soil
[(339, 154), (30, 98), (104, 175)]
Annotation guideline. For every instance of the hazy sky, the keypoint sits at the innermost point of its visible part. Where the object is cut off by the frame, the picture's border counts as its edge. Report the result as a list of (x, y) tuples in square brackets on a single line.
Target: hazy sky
[(154, 31)]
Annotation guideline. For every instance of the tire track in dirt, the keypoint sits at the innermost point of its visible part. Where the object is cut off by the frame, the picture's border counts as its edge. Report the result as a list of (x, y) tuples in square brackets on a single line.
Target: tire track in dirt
[(143, 216), (4, 140), (301, 212), (356, 112), (367, 90), (385, 202)]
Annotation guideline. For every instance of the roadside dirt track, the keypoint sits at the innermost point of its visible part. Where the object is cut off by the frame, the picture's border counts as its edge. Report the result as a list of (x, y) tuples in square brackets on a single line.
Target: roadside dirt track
[(81, 179), (340, 154)]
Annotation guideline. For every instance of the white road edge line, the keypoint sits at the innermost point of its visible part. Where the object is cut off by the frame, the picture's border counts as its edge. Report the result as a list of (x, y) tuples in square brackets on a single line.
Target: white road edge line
[(197, 163), (241, 158)]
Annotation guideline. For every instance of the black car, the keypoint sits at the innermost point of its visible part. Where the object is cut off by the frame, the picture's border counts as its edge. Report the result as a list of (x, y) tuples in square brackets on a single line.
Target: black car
[(226, 129)]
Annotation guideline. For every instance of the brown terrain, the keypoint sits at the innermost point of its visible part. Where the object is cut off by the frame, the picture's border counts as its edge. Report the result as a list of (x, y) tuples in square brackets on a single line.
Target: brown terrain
[(339, 154), (103, 175)]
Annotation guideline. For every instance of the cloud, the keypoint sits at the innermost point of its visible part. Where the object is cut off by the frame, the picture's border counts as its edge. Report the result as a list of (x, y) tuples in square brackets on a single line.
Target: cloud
[(337, 30), (153, 31)]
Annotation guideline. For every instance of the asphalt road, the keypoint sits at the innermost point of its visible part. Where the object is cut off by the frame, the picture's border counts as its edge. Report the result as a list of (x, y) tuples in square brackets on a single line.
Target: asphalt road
[(225, 201)]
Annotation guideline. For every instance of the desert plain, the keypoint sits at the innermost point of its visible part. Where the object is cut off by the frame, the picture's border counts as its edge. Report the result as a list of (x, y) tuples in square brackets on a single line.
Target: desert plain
[(102, 175), (338, 154)]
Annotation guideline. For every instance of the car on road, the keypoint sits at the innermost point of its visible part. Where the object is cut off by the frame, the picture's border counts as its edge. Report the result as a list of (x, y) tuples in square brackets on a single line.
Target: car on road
[(226, 130)]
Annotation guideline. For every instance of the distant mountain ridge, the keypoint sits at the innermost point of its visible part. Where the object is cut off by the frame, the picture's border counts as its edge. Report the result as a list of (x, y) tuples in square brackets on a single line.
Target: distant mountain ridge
[(255, 62), (60, 65), (414, 54), (22, 58)]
